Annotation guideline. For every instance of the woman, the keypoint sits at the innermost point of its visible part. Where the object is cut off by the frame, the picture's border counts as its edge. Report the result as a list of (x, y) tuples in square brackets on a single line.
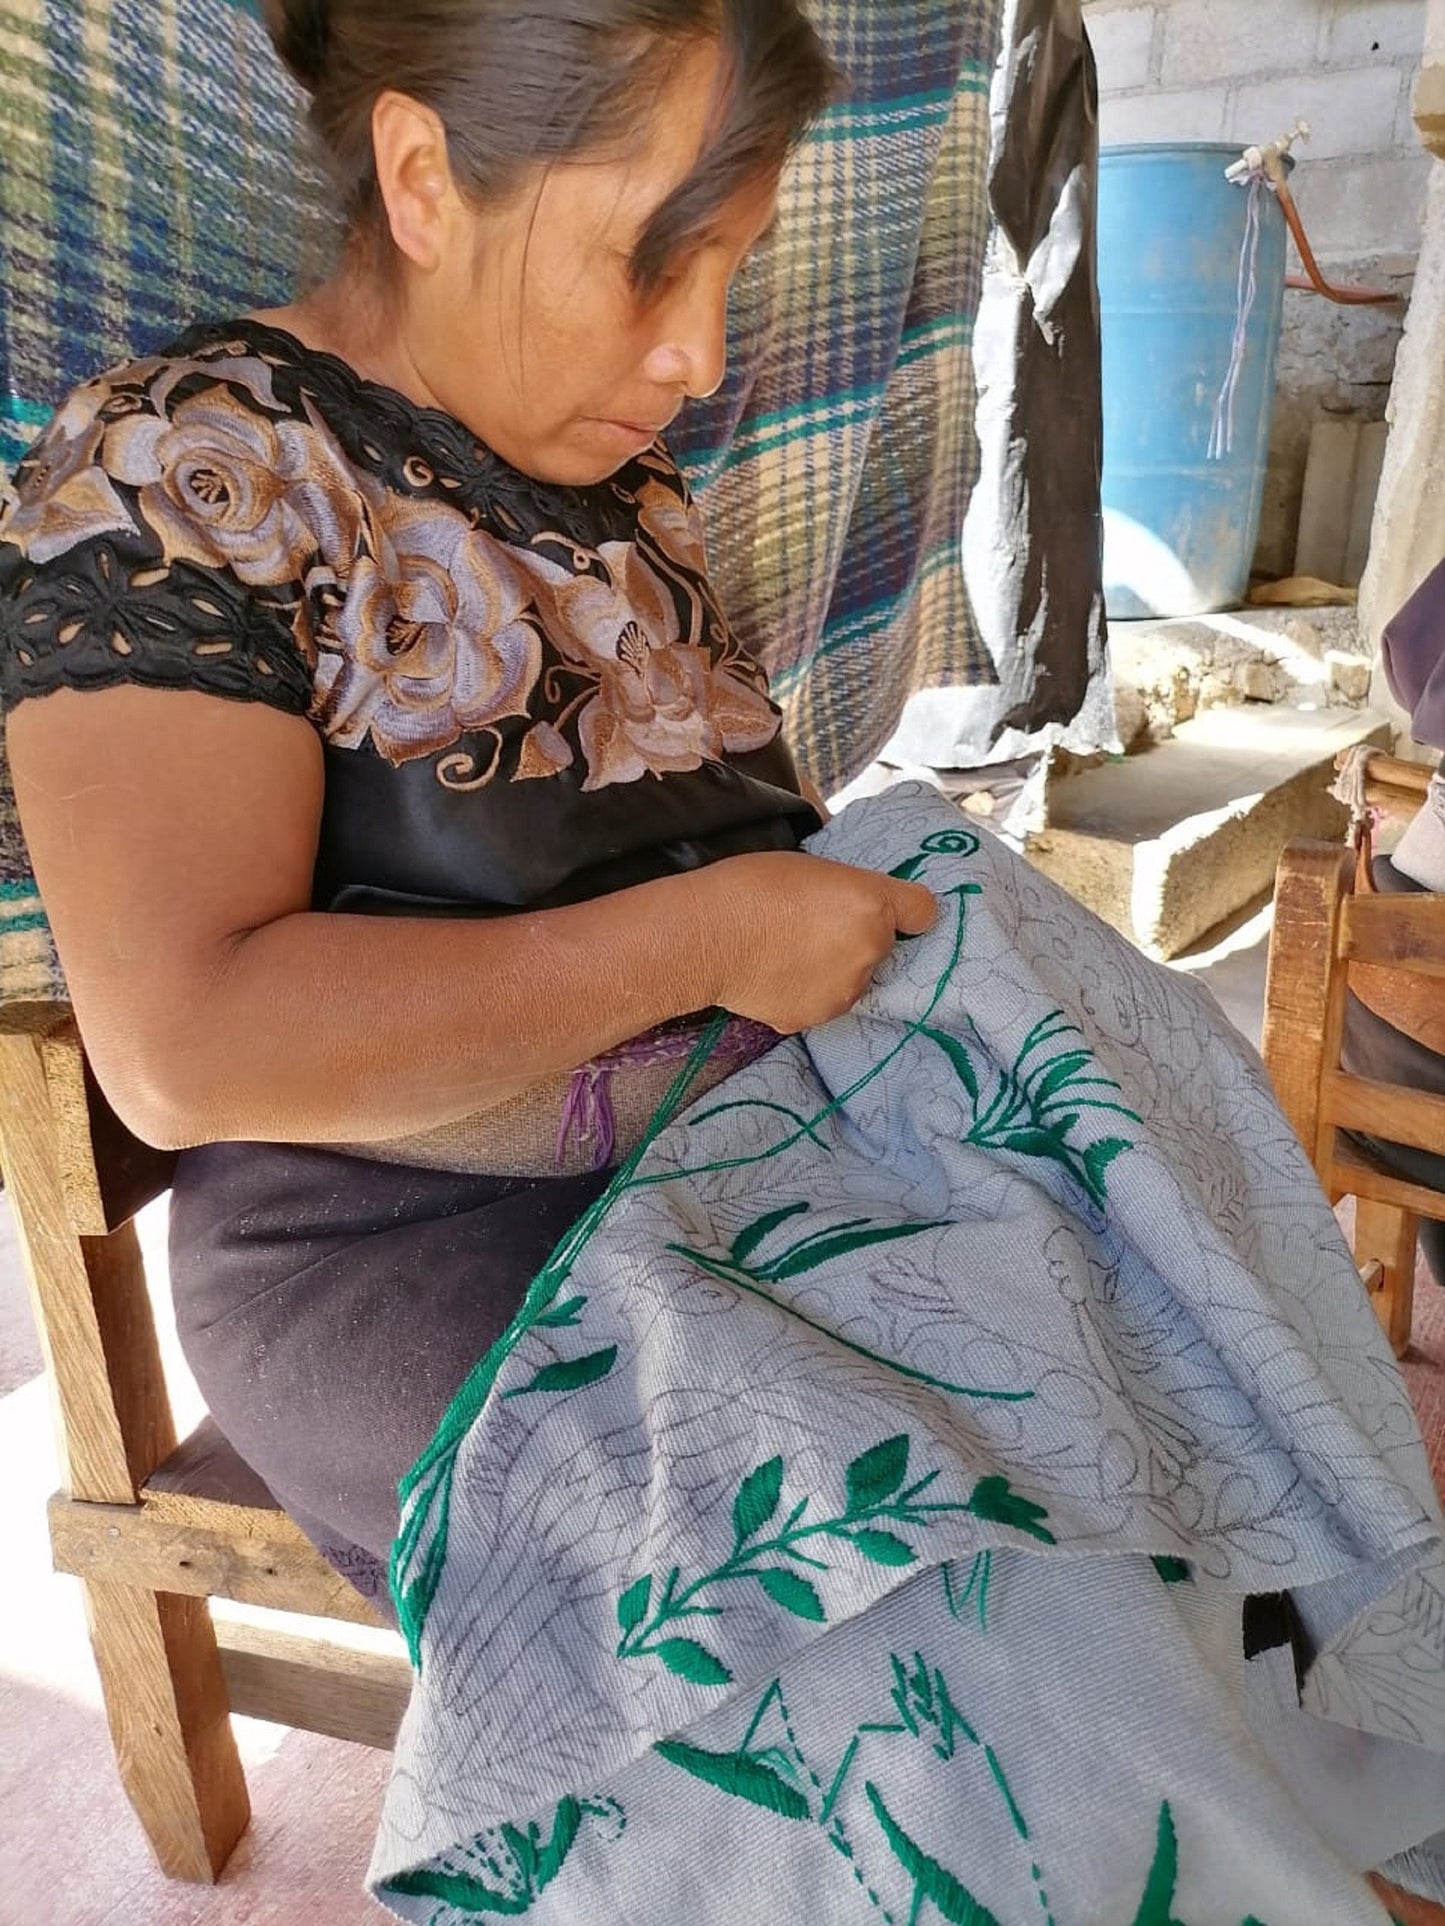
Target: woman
[(384, 757), (363, 620)]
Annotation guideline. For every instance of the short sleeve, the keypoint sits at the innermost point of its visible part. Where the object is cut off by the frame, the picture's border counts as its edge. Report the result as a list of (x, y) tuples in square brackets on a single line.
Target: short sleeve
[(150, 545)]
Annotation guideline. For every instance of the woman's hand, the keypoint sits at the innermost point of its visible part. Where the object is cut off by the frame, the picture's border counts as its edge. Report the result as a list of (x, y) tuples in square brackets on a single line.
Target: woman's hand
[(798, 938)]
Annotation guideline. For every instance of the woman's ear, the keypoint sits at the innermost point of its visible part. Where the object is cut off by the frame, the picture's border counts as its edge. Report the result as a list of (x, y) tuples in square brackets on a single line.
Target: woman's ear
[(413, 172)]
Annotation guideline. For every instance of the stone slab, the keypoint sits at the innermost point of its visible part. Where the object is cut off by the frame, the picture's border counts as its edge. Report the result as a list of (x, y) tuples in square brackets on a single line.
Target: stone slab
[(1167, 845)]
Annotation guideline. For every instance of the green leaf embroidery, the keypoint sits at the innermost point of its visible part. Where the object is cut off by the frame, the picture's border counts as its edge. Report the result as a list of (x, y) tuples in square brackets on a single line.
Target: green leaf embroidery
[(1061, 1071), (466, 1895), (994, 1500), (562, 1315), (736, 1773), (1099, 1156), (822, 1250), (1040, 1101), (1033, 1142), (693, 1662), (960, 1059), (794, 1594), (569, 1374), (1156, 1908), (877, 1474), (748, 1240), (633, 1604), (757, 1498), (930, 1880), (876, 1496), (882, 1547), (1173, 1571)]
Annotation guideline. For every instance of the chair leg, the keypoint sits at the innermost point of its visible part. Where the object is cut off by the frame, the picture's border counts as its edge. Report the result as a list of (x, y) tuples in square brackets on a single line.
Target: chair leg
[(1388, 1235), (165, 1699)]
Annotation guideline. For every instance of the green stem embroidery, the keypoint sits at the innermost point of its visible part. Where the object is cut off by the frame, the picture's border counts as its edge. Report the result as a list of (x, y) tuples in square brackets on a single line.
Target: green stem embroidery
[(746, 1281), (776, 1778), (877, 1496), (809, 1127), (931, 1882)]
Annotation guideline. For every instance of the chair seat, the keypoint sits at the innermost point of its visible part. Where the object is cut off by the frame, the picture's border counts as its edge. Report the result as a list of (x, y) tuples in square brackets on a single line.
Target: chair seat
[(206, 1526), (208, 1465)]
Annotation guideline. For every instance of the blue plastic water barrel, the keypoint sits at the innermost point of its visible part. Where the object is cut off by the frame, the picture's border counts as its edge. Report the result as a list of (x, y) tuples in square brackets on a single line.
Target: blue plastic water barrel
[(1181, 518)]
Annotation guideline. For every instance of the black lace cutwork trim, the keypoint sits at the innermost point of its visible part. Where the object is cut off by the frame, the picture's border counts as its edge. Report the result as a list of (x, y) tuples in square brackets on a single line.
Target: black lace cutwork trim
[(102, 618)]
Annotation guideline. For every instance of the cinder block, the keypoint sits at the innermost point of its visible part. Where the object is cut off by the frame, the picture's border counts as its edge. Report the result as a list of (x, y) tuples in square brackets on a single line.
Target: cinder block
[(1348, 113), (1351, 33), (1329, 494), (1195, 114), (1123, 46), (1228, 40), (1366, 204)]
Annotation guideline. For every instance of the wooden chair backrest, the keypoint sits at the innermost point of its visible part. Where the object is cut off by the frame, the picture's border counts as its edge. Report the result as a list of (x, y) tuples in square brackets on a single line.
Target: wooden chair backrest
[(1325, 929)]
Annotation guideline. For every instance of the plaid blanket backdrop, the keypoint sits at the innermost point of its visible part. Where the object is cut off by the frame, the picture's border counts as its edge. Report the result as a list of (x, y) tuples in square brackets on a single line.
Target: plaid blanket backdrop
[(836, 463)]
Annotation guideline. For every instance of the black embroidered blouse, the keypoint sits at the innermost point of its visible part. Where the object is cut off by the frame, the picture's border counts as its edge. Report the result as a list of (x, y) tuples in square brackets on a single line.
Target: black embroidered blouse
[(527, 695)]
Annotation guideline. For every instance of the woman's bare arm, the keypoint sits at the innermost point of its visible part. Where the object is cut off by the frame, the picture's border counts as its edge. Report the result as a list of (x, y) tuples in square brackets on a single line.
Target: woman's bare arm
[(174, 837)]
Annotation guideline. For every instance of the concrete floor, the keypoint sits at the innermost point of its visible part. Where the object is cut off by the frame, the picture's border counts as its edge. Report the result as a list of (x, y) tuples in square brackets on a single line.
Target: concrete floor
[(70, 1849)]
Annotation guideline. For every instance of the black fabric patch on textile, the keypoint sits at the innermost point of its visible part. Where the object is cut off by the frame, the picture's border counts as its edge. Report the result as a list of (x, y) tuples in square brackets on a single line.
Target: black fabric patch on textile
[(1270, 1620)]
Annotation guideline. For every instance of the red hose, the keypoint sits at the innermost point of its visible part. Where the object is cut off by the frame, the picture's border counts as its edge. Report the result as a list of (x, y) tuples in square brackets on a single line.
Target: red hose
[(1316, 282)]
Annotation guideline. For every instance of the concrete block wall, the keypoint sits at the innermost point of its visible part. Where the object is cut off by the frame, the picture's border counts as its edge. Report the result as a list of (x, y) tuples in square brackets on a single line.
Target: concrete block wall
[(1244, 70)]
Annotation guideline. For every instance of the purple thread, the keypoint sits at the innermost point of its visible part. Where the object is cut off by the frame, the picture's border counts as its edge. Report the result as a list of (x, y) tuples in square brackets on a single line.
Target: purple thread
[(588, 1115)]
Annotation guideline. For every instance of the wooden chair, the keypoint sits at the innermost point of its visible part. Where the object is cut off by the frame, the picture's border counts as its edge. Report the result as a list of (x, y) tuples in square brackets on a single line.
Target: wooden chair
[(1326, 933), (152, 1525)]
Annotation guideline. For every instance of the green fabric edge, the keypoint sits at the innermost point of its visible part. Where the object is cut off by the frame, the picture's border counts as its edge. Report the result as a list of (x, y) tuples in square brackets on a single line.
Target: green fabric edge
[(470, 1400)]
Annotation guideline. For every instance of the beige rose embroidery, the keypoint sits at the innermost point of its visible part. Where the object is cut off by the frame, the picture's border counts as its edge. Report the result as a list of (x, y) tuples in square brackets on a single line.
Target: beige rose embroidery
[(665, 515), (67, 498), (654, 702), (220, 483), (432, 640)]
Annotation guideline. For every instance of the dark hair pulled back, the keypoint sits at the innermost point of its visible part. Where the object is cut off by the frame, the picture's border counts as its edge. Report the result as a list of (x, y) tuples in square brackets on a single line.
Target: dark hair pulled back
[(521, 83)]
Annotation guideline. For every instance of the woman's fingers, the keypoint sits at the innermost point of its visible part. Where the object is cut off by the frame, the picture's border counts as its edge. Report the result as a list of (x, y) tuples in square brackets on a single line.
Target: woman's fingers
[(915, 909)]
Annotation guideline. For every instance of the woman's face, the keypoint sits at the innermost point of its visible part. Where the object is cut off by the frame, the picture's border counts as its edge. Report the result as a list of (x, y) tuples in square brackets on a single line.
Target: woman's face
[(529, 330)]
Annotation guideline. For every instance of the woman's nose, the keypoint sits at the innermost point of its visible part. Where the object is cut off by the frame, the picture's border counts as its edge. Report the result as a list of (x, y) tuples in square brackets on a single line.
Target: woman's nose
[(692, 353)]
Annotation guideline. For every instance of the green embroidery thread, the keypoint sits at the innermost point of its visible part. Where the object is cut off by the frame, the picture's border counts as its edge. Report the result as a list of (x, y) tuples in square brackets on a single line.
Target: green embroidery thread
[(777, 1779), (947, 842), (1156, 1908), (809, 1253), (931, 1881), (522, 1863), (979, 1574), (569, 1374), (1036, 1107)]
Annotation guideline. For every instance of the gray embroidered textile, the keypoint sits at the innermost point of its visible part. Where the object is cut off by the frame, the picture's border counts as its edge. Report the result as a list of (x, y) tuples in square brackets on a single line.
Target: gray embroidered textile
[(956, 1477)]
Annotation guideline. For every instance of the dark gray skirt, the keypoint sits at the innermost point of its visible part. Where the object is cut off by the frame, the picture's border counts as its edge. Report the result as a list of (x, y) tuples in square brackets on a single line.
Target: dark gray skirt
[(331, 1307)]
